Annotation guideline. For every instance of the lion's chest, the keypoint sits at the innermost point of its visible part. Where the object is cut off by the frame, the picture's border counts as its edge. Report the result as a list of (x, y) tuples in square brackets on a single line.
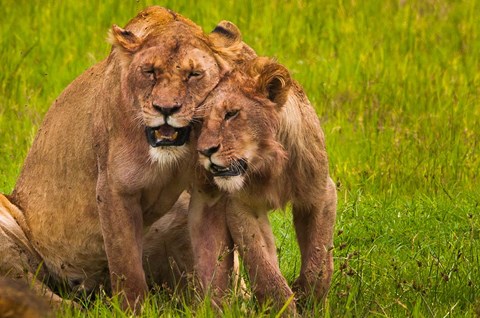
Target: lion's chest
[(164, 191)]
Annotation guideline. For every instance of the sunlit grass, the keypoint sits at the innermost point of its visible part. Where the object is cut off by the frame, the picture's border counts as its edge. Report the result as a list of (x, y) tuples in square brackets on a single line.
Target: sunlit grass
[(396, 85)]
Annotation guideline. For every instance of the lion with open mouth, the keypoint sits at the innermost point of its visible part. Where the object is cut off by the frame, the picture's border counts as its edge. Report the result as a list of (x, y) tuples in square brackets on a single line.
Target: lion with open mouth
[(113, 155)]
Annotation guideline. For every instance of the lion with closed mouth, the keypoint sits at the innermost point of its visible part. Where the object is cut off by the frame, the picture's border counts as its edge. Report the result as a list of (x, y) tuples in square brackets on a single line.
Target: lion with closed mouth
[(113, 155), (262, 145)]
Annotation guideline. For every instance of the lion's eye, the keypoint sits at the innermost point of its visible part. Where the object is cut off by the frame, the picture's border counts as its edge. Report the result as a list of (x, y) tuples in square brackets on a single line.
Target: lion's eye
[(148, 71), (231, 114), (195, 74)]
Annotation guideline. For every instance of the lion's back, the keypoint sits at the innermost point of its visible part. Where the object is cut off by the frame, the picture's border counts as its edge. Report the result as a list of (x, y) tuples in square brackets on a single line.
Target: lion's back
[(56, 187)]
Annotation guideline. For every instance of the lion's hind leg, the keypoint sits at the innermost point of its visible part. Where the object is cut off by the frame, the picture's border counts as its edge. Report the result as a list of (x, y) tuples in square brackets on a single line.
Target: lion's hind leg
[(314, 225), (18, 259), (167, 250)]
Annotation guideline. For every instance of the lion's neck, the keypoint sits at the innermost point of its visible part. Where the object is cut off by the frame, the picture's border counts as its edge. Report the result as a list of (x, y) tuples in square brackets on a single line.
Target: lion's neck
[(302, 138)]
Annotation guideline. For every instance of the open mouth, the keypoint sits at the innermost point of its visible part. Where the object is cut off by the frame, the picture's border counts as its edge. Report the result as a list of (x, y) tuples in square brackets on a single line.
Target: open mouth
[(237, 168), (166, 135)]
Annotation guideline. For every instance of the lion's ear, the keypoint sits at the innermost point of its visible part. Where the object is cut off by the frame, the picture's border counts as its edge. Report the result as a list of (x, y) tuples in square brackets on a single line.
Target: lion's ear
[(225, 34), (273, 80), (125, 40), (226, 42)]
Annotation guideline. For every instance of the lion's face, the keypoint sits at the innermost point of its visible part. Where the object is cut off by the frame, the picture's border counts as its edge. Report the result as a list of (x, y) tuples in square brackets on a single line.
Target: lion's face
[(167, 75), (168, 81), (238, 137)]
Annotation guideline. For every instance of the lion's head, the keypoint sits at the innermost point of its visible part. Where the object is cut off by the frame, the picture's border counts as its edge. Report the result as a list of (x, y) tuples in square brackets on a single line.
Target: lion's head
[(238, 138), (168, 68)]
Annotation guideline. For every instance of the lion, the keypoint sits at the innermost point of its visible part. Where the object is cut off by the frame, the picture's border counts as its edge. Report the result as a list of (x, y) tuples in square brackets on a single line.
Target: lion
[(17, 300), (113, 154), (262, 145)]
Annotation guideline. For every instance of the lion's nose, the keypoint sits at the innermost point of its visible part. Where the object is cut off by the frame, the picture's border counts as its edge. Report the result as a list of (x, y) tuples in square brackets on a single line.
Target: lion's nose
[(166, 110), (209, 151)]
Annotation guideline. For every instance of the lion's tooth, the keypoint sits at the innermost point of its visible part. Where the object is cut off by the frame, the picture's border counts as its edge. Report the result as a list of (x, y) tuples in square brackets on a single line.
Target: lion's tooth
[(160, 136)]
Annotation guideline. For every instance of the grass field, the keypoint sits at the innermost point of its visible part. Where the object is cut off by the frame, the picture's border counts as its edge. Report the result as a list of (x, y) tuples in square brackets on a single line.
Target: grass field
[(396, 85)]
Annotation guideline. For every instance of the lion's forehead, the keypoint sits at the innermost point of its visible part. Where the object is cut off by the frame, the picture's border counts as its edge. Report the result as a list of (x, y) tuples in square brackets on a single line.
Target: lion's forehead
[(236, 88), (173, 56), (231, 98), (176, 41), (199, 54), (162, 22)]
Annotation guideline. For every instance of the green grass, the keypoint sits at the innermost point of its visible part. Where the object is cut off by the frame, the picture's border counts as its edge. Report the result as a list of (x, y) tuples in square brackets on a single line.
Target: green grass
[(396, 85)]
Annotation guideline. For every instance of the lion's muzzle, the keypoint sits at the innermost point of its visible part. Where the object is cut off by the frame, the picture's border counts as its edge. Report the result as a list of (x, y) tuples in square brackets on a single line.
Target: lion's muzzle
[(237, 168)]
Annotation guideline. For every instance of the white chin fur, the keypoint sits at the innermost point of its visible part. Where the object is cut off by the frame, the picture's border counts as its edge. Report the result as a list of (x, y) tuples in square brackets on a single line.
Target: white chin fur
[(230, 184), (168, 155)]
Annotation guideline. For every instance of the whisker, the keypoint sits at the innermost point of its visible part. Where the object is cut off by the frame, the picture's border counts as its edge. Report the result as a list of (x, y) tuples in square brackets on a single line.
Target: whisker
[(196, 121)]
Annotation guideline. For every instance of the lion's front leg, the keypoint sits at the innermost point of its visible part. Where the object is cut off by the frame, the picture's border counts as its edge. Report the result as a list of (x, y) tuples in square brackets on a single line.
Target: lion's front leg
[(121, 220), (314, 226), (252, 232), (211, 243)]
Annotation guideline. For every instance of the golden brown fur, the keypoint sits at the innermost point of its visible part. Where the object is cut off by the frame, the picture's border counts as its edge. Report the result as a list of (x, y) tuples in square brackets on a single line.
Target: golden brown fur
[(262, 143), (18, 301), (167, 252), (91, 183)]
